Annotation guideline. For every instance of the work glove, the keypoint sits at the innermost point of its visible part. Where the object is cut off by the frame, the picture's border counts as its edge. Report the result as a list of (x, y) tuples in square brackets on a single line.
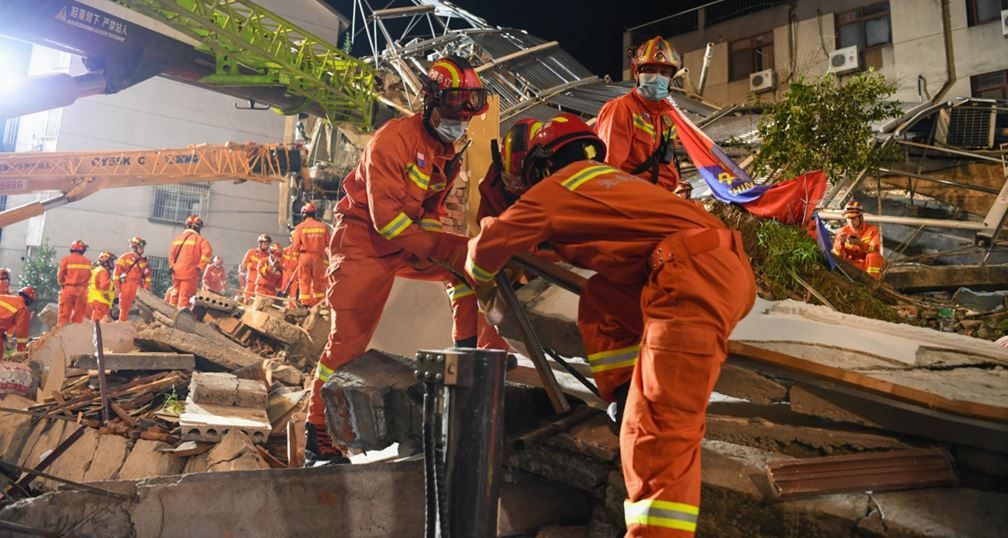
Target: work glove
[(451, 251)]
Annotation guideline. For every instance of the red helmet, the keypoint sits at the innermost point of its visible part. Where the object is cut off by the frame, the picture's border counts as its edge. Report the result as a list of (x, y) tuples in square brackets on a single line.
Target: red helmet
[(655, 51), (514, 147), (264, 238), (106, 258), (137, 241), (78, 246), (194, 221), (454, 86), (853, 209), (28, 293), (276, 249), (5, 273), (308, 209), (562, 140)]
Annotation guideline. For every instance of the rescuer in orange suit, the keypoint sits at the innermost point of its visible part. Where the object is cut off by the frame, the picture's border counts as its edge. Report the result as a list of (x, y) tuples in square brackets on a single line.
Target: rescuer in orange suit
[(5, 275), (131, 273), (247, 271), (188, 257), (269, 272), (289, 286), (15, 318), (637, 128), (101, 293), (215, 276), (309, 241), (859, 242), (74, 272), (388, 225), (692, 282)]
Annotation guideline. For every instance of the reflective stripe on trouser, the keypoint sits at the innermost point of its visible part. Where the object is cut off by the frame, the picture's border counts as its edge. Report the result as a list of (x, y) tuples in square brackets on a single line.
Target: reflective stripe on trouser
[(72, 305), (359, 286), (609, 318), (127, 293), (184, 290), (311, 279), (873, 265), (690, 306)]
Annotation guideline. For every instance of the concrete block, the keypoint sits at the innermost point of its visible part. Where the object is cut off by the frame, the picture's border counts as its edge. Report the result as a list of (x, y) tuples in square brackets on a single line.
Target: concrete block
[(109, 456), (213, 388), (209, 423), (251, 393), (73, 464), (286, 374), (228, 355), (980, 301), (46, 436), (145, 460), (137, 361), (272, 326), (14, 427)]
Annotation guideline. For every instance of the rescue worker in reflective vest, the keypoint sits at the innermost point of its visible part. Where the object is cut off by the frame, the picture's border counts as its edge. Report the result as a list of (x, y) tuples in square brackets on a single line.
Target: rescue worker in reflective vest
[(188, 257), (131, 273), (101, 293), (5, 276), (171, 296), (637, 128), (215, 276), (270, 272), (388, 225), (15, 318), (73, 275), (289, 286), (684, 189), (309, 241), (859, 242), (671, 282), (247, 270)]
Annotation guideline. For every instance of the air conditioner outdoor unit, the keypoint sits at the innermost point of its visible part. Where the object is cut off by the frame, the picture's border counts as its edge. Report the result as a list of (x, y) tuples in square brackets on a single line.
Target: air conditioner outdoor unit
[(844, 60), (762, 81), (1004, 22)]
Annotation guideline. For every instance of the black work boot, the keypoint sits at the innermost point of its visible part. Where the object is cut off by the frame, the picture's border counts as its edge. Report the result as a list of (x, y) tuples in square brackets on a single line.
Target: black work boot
[(319, 449), (616, 409)]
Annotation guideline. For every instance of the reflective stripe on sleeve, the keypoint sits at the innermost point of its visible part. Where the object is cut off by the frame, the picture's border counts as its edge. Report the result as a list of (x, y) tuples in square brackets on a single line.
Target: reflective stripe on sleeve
[(656, 513), (612, 359), (585, 175), (8, 306), (477, 272), (395, 226), (323, 373), (417, 176), (459, 291), (431, 225)]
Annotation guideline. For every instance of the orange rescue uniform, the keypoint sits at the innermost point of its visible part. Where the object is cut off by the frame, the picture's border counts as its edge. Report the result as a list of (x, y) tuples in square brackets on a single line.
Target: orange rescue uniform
[(73, 275), (215, 279), (309, 242), (15, 319), (131, 272), (4, 287), (269, 276), (633, 129), (388, 225), (289, 285), (249, 265), (100, 293), (866, 256), (671, 282), (189, 255)]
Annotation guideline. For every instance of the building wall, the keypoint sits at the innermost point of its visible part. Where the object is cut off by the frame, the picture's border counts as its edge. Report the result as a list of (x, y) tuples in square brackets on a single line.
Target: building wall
[(157, 113), (917, 47)]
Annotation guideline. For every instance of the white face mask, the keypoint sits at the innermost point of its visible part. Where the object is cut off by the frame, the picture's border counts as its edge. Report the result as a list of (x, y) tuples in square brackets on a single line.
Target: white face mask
[(451, 130), (653, 86)]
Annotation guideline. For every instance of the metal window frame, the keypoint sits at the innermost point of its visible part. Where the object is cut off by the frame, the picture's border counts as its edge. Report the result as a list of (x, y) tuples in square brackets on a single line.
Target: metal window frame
[(751, 49), (861, 21), (971, 16), (1003, 87), (179, 191)]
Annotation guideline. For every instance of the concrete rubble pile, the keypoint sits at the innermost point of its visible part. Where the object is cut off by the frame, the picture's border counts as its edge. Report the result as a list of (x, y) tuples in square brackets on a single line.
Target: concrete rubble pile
[(212, 389)]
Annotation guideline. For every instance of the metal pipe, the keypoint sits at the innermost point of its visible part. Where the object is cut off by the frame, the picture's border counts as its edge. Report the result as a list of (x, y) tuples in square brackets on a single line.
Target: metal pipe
[(836, 214), (515, 55), (43, 92), (939, 180), (708, 55), (949, 151), (476, 435)]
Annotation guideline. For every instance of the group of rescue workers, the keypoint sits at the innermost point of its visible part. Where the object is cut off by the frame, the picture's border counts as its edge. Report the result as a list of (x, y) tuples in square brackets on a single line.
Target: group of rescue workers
[(671, 280)]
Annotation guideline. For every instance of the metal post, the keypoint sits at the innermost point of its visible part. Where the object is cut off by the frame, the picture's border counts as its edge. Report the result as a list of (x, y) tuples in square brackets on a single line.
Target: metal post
[(102, 382)]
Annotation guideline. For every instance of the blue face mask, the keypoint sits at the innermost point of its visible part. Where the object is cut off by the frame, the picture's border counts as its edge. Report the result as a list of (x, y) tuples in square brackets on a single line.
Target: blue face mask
[(653, 86), (451, 130)]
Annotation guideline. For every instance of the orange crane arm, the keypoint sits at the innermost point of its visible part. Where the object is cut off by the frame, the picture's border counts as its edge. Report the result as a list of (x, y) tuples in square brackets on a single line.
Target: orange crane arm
[(79, 174)]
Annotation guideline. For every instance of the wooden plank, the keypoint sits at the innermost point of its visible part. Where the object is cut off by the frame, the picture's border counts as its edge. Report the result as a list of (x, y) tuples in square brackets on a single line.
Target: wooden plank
[(869, 384), (140, 360)]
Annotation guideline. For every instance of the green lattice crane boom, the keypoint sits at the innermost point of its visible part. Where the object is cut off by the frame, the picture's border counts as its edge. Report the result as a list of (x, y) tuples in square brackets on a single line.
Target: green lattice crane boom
[(255, 47)]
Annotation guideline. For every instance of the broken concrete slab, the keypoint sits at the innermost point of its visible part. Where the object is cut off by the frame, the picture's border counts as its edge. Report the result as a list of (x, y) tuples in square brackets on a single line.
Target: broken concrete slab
[(74, 463), (146, 460), (137, 360), (209, 299), (46, 436), (749, 385), (54, 348), (217, 356), (286, 374), (357, 501), (798, 441), (110, 454), (272, 326), (918, 278), (234, 452), (213, 388), (14, 427), (209, 423), (980, 301)]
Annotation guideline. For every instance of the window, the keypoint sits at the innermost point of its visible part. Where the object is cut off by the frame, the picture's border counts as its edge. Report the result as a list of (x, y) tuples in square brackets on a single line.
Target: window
[(990, 85), (866, 27), (52, 123), (750, 55), (174, 203), (981, 11)]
